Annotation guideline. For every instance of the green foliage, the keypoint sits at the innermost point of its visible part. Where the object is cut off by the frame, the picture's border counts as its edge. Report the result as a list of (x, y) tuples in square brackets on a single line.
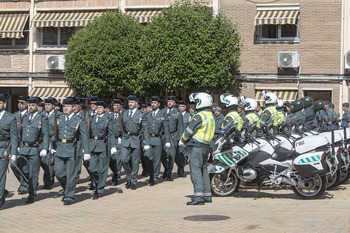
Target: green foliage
[(101, 58), (186, 48)]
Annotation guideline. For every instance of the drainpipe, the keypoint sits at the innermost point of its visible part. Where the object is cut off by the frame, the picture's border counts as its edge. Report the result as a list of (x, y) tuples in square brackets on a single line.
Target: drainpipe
[(216, 6), (31, 45), (122, 5)]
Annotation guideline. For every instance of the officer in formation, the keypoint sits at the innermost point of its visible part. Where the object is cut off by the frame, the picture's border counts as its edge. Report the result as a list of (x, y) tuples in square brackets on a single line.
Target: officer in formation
[(346, 115)]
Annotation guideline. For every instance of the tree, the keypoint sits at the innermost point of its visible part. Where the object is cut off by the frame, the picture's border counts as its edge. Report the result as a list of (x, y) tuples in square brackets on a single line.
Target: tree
[(101, 58), (187, 48)]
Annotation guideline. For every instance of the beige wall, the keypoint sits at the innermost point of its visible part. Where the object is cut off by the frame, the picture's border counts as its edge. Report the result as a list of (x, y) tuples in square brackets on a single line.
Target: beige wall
[(78, 4)]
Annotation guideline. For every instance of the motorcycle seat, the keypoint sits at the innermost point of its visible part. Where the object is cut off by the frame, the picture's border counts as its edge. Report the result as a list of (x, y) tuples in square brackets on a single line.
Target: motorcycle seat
[(284, 155)]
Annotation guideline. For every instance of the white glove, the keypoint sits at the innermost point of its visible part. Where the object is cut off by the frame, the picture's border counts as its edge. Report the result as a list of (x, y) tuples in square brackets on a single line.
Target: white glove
[(43, 153), (13, 158), (87, 157), (181, 143), (167, 145), (119, 141), (18, 149), (53, 151), (113, 150), (146, 147)]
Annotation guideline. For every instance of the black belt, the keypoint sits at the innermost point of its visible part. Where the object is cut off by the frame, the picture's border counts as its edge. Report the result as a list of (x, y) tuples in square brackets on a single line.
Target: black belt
[(97, 138), (5, 139), (132, 134), (156, 134), (173, 132), (66, 140), (35, 144)]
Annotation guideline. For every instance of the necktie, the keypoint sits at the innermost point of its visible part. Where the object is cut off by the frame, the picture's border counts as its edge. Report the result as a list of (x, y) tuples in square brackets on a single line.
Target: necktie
[(97, 118), (130, 113), (153, 114), (31, 117), (66, 118)]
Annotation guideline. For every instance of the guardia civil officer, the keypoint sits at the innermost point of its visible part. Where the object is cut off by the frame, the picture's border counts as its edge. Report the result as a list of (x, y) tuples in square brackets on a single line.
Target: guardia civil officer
[(175, 128), (35, 144), (321, 119), (100, 131), (269, 116), (133, 123), (308, 112), (181, 159), (334, 114), (231, 103), (219, 119), (8, 144), (328, 112), (155, 128), (297, 117), (22, 111), (280, 113), (197, 137), (115, 163), (346, 115), (71, 138), (47, 162), (251, 119), (192, 110)]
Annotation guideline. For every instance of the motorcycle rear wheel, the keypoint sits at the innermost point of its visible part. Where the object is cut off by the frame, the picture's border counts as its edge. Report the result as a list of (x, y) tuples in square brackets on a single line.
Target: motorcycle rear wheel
[(314, 187), (220, 188), (333, 181), (345, 175)]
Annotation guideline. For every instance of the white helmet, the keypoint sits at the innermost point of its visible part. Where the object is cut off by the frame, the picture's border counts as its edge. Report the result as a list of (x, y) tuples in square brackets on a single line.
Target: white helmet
[(279, 103), (270, 98), (229, 100), (250, 104), (203, 100)]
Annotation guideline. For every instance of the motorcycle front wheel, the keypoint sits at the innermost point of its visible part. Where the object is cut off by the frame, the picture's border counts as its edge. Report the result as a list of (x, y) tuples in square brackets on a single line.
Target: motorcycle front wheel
[(220, 187), (310, 187), (333, 181), (345, 175)]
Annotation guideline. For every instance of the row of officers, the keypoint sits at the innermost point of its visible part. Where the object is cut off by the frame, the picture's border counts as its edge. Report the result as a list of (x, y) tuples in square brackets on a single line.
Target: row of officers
[(61, 142)]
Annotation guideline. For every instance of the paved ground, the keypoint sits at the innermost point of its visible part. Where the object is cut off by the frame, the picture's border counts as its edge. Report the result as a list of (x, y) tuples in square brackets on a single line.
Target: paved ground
[(162, 208)]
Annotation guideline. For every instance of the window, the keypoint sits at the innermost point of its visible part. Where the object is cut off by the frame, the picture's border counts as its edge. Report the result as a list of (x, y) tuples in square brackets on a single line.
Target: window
[(57, 37), (277, 32), (12, 42)]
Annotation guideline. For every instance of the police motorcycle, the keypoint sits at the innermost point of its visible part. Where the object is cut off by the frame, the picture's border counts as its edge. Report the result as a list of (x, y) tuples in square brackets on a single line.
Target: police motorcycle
[(237, 161), (344, 159)]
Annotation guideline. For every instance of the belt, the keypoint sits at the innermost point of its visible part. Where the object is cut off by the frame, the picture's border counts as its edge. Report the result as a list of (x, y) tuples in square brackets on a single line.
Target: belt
[(173, 132), (65, 140), (97, 138), (27, 144), (5, 139), (132, 134), (156, 134)]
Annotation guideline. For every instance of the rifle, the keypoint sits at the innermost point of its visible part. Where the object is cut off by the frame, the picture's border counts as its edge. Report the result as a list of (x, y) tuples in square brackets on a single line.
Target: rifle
[(105, 138), (54, 143), (7, 156)]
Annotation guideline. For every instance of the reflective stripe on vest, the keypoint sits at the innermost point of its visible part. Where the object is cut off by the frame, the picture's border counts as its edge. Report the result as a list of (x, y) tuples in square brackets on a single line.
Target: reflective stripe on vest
[(253, 119), (274, 115), (237, 119), (206, 132)]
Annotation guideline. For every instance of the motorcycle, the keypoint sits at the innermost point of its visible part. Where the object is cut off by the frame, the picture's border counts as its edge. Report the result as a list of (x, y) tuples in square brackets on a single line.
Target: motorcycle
[(257, 164)]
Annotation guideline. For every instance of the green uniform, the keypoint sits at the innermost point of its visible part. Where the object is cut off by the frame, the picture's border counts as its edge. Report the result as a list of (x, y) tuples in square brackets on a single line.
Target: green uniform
[(218, 123), (156, 131), (334, 117), (100, 131), (79, 152), (130, 151), (8, 145), (35, 138), (233, 116), (72, 138), (346, 117), (23, 186), (174, 126), (115, 163), (181, 159), (198, 134), (88, 118), (296, 118), (309, 117), (320, 121)]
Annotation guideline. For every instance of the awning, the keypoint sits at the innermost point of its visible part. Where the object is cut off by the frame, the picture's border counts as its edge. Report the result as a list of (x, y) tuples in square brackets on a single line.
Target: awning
[(64, 18), (56, 92), (289, 95), (12, 24), (143, 16), (276, 17)]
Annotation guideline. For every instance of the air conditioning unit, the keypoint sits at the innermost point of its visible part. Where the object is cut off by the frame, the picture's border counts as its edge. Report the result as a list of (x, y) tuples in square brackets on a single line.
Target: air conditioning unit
[(288, 60), (55, 62), (347, 58)]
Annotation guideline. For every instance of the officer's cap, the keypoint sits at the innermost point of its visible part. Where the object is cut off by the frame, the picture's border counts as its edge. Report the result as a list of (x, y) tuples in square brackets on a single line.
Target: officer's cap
[(240, 106), (60, 105), (70, 100), (23, 97), (215, 105), (173, 98), (36, 100), (192, 106), (118, 101), (50, 100), (218, 109), (149, 103), (95, 98), (345, 104), (155, 98), (3, 96), (101, 103), (331, 105), (133, 97), (326, 102), (182, 102), (108, 105)]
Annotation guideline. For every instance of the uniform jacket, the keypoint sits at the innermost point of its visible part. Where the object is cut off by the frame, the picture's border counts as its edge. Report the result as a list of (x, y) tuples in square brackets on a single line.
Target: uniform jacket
[(19, 121), (132, 128), (156, 127), (8, 129), (97, 129), (186, 116), (116, 130), (309, 117), (174, 123)]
